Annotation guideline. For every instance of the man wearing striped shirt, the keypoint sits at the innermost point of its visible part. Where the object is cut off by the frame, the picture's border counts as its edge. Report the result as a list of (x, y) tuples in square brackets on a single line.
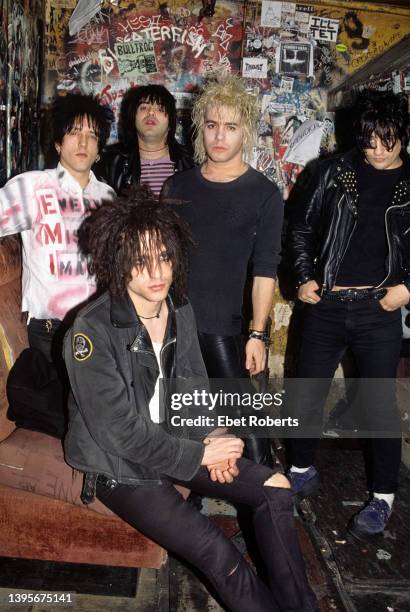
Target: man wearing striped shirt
[(148, 151)]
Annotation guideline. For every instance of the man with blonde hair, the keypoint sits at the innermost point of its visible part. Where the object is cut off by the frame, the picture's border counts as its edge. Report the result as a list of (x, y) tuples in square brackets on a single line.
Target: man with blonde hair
[(235, 214)]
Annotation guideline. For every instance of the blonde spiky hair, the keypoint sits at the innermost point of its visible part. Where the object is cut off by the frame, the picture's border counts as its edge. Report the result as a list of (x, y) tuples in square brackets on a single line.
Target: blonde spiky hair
[(230, 91)]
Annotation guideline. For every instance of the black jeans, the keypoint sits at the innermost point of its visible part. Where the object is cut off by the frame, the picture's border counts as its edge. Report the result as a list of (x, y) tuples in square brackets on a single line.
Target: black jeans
[(374, 337), (224, 357), (161, 513)]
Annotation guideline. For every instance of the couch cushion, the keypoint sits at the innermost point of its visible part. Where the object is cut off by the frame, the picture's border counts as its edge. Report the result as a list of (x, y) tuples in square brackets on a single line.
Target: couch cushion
[(34, 462)]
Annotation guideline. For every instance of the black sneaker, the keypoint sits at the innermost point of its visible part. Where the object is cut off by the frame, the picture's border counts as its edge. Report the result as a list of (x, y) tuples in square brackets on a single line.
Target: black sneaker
[(304, 483)]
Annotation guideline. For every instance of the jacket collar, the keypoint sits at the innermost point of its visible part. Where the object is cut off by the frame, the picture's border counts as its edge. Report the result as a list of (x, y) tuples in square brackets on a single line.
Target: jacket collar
[(123, 314), (346, 175)]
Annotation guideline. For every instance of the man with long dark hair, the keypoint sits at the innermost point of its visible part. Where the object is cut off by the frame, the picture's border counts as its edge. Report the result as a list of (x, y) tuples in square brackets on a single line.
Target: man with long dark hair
[(148, 152), (47, 207), (140, 330), (349, 246)]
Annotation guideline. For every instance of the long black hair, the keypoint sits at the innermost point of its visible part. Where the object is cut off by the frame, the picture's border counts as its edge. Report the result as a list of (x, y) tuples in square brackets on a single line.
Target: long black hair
[(383, 114), (154, 94)]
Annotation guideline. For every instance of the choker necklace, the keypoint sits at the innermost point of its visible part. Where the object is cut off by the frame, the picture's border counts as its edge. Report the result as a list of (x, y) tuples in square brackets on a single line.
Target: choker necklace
[(156, 316), (153, 150)]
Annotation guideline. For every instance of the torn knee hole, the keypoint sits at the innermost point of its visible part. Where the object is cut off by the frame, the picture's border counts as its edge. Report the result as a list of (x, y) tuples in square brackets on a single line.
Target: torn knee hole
[(277, 480), (234, 569)]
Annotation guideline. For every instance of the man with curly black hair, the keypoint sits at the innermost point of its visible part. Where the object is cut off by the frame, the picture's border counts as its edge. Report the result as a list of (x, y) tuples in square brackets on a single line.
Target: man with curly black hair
[(47, 207), (349, 246), (136, 340), (148, 152)]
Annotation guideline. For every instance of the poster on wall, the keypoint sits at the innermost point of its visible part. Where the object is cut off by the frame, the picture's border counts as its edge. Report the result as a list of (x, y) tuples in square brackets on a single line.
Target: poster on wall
[(295, 58), (136, 58), (323, 29), (271, 14)]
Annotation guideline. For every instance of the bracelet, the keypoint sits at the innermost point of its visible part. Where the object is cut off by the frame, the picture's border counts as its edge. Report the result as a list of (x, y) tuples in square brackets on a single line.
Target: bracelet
[(257, 335)]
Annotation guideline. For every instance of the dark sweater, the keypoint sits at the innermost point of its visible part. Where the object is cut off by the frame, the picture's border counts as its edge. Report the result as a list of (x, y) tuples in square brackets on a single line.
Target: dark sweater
[(232, 223), (364, 262)]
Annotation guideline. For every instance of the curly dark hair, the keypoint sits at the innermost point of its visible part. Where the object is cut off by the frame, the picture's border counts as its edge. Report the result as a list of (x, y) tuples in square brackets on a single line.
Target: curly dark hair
[(154, 94), (129, 232), (384, 114), (71, 109)]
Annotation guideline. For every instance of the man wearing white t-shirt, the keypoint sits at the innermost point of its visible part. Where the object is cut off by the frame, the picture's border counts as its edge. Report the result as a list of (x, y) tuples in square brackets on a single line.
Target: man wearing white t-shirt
[(47, 207)]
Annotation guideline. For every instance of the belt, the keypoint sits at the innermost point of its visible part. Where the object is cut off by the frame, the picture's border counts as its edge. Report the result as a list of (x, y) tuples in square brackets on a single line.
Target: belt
[(355, 295), (49, 324)]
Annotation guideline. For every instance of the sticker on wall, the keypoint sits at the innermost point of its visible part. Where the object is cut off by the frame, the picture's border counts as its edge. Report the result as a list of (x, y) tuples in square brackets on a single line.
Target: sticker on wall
[(302, 17), (322, 28), (341, 48), (288, 7), (368, 31), (253, 42), (271, 14), (305, 8), (136, 58), (396, 82), (286, 84), (295, 58), (255, 67)]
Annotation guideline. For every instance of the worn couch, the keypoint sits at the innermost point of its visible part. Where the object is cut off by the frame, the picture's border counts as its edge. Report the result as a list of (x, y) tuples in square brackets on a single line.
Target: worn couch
[(41, 514)]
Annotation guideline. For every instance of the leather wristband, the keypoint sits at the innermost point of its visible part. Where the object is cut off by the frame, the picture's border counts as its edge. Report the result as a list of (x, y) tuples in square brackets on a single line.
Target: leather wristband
[(257, 335)]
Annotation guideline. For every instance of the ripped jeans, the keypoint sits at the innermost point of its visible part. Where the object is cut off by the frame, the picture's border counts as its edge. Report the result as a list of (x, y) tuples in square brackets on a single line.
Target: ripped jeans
[(160, 513)]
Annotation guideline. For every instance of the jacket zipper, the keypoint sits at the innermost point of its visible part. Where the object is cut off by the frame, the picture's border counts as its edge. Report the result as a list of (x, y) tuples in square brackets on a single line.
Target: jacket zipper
[(331, 246), (164, 346), (347, 246), (388, 239)]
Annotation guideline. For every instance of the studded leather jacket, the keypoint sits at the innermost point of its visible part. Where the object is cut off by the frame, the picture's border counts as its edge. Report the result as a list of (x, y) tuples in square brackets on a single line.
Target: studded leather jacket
[(323, 221)]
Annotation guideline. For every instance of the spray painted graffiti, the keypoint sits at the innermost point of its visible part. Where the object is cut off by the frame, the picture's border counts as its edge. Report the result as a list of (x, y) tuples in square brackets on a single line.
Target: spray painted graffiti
[(112, 47)]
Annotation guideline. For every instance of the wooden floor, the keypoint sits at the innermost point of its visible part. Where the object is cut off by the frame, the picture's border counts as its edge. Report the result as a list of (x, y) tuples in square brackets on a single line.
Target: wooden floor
[(345, 574)]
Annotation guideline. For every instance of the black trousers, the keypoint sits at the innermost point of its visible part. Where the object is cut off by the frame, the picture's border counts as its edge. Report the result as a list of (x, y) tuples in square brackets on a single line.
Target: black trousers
[(161, 513), (224, 357), (374, 337)]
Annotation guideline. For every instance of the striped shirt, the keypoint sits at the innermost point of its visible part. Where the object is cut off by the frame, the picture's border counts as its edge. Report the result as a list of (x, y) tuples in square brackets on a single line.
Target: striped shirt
[(154, 172)]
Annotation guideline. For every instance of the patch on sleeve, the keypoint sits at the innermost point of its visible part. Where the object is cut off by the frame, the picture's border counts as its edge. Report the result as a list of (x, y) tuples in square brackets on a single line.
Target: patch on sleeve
[(82, 347)]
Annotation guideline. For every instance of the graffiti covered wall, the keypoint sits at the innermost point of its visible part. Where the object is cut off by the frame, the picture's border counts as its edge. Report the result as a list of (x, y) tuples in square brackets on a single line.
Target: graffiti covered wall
[(20, 50), (127, 44)]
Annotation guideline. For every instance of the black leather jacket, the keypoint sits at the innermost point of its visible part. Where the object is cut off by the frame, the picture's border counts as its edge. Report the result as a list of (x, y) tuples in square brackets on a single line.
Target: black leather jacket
[(323, 221), (113, 371), (120, 167)]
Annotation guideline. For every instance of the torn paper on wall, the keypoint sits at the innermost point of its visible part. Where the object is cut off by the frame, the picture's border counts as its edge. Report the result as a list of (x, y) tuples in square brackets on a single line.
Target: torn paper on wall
[(82, 14), (305, 143)]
